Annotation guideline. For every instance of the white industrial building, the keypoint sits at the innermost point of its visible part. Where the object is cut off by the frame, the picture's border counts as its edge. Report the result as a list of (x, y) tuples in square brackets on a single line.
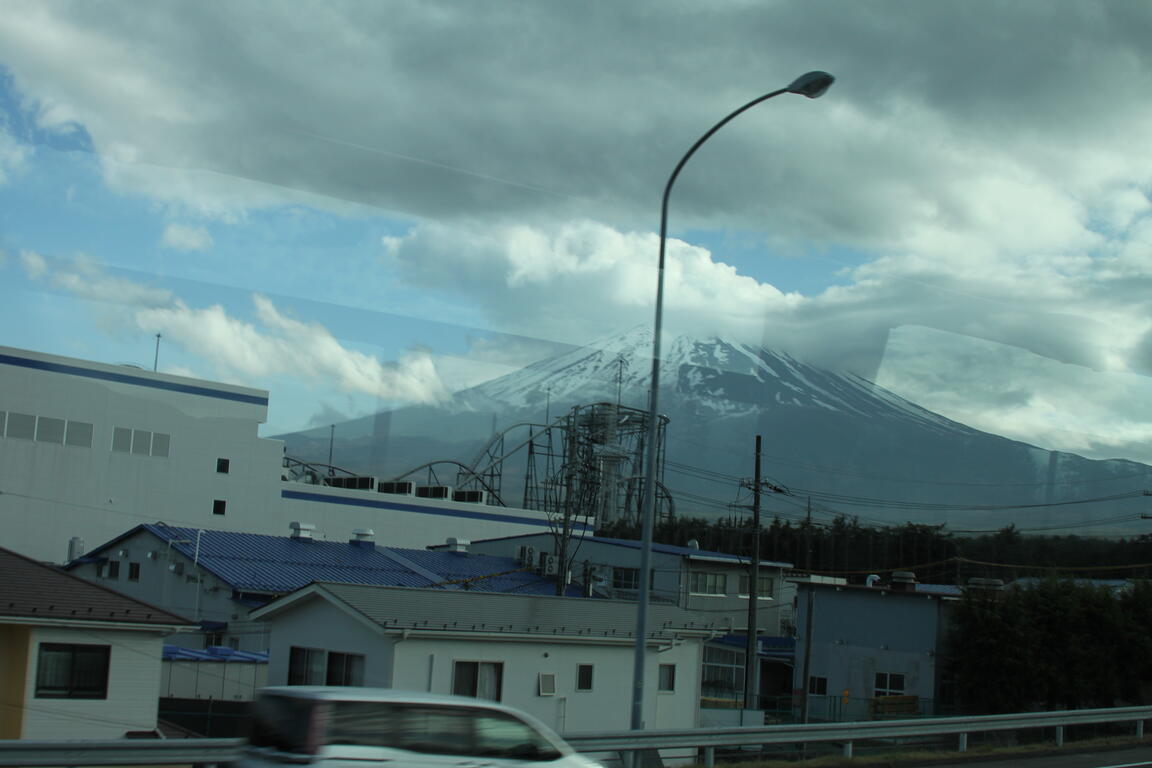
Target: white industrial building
[(87, 450)]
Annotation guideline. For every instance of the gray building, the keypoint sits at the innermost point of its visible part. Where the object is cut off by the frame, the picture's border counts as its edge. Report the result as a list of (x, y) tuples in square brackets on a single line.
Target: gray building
[(870, 650)]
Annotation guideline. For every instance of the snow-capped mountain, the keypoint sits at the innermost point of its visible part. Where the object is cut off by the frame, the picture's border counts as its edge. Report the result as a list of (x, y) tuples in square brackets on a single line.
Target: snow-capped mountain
[(847, 443)]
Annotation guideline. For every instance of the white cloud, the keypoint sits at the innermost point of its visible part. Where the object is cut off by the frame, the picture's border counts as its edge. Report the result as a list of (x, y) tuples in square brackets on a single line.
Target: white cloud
[(185, 238), (13, 156), (86, 279), (277, 345)]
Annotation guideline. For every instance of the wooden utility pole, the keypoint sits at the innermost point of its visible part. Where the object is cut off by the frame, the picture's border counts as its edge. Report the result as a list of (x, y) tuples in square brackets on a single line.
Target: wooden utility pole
[(751, 659)]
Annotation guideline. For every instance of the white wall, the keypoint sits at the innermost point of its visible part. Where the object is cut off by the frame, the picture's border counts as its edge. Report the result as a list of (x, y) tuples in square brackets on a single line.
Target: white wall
[(133, 688), (316, 624)]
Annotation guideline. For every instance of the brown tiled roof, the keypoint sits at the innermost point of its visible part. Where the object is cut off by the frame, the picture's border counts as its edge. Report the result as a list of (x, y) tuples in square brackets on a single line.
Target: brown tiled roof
[(32, 590)]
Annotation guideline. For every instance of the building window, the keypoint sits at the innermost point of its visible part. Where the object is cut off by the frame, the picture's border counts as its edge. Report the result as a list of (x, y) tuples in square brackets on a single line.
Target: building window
[(222, 466), (625, 578), (160, 444), (113, 571), (141, 442), (345, 669), (889, 684), (122, 440), (67, 671), (706, 583), (213, 638), (79, 434), (479, 679), (21, 426), (315, 666), (3, 421), (667, 681), (818, 686), (133, 571), (583, 677), (723, 674), (50, 430), (219, 506), (765, 585)]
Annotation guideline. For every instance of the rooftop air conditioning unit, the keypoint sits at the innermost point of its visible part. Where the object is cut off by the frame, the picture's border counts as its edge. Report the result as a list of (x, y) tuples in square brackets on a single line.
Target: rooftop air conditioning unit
[(402, 487), (433, 492), (471, 497), (551, 565)]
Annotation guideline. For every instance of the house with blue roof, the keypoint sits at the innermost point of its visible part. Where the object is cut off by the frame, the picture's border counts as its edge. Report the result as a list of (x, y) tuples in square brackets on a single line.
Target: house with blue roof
[(215, 578)]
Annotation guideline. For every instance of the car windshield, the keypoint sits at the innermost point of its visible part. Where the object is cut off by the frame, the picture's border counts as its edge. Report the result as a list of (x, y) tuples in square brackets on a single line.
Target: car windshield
[(597, 301)]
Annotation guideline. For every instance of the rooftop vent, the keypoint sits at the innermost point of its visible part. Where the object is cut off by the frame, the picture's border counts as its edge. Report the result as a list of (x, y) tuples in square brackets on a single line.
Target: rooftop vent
[(458, 545), (363, 537), (302, 531), (903, 581)]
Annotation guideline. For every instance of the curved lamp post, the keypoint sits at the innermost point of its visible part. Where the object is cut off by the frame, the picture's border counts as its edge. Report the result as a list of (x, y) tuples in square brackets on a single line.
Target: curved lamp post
[(813, 85)]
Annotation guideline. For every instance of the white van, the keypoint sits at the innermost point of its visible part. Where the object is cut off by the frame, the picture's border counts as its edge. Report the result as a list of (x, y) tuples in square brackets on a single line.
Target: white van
[(336, 727)]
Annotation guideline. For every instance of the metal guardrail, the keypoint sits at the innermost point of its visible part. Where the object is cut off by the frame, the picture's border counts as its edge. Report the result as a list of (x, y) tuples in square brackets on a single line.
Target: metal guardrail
[(214, 751), (848, 733)]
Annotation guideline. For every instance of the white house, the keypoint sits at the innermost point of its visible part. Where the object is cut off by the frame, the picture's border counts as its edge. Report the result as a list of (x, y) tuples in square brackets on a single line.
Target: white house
[(714, 583), (77, 661), (567, 661), (87, 449)]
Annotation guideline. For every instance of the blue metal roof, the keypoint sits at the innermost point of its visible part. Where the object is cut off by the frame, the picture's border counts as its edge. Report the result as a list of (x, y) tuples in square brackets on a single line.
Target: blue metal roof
[(250, 562), (214, 653)]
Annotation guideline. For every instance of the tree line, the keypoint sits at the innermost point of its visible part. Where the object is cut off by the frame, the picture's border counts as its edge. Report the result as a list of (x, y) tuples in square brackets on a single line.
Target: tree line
[(846, 548)]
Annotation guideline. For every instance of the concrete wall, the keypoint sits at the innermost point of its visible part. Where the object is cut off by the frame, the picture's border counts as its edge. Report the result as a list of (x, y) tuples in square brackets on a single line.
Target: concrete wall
[(133, 688)]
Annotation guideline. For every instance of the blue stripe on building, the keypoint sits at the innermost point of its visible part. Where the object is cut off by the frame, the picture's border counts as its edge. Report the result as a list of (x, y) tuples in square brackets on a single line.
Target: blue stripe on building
[(126, 378), (401, 507)]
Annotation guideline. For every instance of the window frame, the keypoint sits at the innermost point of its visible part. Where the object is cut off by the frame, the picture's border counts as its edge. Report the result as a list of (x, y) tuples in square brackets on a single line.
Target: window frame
[(886, 684), (470, 684), (75, 688), (666, 678), (582, 684), (708, 583)]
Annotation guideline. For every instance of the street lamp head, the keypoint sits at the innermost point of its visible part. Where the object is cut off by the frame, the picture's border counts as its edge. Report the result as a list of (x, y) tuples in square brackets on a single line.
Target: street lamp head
[(811, 84)]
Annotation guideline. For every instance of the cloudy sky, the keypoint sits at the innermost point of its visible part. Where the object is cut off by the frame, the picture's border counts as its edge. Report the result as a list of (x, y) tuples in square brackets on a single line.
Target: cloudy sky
[(361, 204)]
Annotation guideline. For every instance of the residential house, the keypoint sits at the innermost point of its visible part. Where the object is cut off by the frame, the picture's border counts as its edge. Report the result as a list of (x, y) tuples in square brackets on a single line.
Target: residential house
[(77, 660), (567, 661), (715, 583), (872, 649), (216, 577)]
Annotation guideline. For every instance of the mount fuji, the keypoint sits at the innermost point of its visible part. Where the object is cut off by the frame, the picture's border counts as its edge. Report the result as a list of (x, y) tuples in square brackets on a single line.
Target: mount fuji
[(834, 443)]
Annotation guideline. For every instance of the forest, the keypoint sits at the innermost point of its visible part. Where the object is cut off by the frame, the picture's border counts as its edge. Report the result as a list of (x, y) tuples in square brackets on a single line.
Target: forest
[(845, 548)]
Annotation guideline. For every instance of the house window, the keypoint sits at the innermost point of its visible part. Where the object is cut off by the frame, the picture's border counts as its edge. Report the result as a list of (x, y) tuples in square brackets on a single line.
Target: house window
[(219, 506), (133, 571), (889, 684), (315, 666), (68, 671), (706, 583), (222, 466), (583, 677), (113, 569), (479, 679), (667, 681), (818, 686), (213, 638), (765, 585), (345, 669), (723, 674)]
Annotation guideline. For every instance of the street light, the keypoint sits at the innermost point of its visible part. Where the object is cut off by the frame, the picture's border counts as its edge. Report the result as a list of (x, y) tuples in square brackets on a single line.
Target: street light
[(813, 85)]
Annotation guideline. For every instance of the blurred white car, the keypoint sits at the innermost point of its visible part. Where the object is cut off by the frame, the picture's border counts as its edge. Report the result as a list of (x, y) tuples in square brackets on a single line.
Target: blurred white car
[(341, 726)]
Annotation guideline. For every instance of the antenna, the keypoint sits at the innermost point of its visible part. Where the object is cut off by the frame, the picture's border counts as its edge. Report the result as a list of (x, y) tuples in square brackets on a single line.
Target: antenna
[(156, 359)]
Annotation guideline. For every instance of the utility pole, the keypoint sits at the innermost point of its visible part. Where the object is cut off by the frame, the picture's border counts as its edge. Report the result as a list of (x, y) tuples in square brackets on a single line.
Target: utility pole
[(156, 359), (809, 608), (751, 659)]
